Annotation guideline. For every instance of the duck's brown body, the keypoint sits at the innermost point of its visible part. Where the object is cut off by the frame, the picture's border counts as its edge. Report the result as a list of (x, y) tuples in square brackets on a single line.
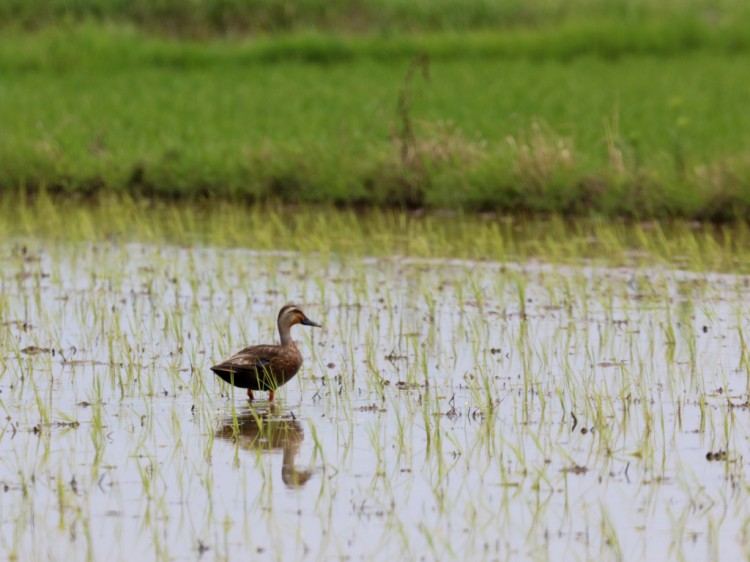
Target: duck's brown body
[(261, 367), (267, 367)]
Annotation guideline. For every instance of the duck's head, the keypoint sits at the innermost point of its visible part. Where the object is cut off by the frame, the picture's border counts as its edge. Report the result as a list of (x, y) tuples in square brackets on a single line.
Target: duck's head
[(292, 314)]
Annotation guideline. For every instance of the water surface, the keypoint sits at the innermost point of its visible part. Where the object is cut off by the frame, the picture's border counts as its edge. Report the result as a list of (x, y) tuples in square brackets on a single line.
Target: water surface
[(448, 408)]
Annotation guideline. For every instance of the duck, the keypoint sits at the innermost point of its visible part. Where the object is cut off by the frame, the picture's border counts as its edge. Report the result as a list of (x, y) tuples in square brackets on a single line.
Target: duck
[(267, 367)]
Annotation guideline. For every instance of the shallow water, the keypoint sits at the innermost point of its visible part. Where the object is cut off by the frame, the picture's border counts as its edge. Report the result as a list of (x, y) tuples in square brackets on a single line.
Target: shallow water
[(447, 409)]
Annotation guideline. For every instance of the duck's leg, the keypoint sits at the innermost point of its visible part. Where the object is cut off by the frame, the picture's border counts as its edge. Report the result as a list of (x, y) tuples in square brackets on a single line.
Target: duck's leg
[(250, 395), (270, 396)]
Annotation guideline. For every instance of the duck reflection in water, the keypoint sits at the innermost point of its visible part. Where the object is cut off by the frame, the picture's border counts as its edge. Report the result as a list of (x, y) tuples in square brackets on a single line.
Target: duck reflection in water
[(259, 430)]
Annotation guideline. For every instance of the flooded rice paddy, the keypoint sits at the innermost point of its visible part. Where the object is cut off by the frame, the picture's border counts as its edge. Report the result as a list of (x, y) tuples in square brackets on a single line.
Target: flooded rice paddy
[(448, 408)]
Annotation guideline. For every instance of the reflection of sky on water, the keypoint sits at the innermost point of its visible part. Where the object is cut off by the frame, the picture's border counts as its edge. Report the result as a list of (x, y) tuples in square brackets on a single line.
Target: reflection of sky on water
[(646, 361)]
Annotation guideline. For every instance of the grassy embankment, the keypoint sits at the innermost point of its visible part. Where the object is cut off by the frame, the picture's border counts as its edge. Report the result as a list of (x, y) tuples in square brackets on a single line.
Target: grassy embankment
[(644, 117), (208, 18)]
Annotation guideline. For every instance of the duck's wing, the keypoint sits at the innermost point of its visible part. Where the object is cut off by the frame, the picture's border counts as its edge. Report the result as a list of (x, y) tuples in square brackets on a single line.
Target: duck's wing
[(255, 358)]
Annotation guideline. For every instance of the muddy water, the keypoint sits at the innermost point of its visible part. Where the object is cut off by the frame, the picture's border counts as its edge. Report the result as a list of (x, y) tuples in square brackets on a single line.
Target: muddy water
[(447, 409)]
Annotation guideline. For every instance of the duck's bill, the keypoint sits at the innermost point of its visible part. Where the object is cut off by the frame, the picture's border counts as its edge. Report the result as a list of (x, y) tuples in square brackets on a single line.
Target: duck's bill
[(307, 322)]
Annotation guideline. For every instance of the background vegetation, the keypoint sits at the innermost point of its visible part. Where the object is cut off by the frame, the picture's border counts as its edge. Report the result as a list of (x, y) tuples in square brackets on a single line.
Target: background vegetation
[(200, 18), (617, 108)]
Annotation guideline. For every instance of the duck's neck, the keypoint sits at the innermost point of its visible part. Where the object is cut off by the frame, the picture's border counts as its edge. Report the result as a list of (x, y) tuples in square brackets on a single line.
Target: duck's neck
[(286, 335)]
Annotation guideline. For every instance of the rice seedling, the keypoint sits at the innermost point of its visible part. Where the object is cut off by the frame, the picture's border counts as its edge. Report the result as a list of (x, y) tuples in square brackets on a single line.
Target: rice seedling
[(563, 401)]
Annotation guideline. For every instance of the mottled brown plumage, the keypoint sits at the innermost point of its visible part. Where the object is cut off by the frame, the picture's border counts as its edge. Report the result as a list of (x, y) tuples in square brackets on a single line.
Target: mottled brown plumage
[(267, 367)]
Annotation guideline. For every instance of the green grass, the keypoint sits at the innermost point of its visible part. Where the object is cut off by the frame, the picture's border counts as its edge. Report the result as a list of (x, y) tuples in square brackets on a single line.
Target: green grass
[(201, 18), (311, 230), (504, 123), (109, 46)]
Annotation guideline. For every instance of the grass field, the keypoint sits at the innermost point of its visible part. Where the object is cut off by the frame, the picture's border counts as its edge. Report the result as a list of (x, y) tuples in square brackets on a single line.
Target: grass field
[(201, 18), (621, 118), (380, 233)]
